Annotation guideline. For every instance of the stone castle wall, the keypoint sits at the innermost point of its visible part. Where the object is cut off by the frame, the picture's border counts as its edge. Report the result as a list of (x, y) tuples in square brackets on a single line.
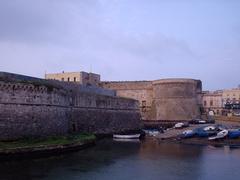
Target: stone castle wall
[(31, 107), (162, 100), (138, 90)]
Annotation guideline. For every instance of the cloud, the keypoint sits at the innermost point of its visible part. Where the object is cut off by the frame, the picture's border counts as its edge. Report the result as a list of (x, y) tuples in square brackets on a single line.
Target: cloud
[(121, 40)]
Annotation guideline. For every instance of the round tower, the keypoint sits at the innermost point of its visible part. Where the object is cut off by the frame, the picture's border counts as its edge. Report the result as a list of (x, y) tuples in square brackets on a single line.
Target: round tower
[(176, 99)]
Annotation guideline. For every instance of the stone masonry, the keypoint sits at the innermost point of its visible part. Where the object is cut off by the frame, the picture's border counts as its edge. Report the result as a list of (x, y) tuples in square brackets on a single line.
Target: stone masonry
[(162, 100), (32, 107)]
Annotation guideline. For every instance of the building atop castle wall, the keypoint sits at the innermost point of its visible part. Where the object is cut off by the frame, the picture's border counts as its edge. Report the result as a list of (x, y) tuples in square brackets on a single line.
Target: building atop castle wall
[(84, 78)]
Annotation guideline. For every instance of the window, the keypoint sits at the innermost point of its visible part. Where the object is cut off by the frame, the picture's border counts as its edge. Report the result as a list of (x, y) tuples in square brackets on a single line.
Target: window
[(62, 79), (205, 103), (144, 103), (211, 103), (68, 79), (74, 79)]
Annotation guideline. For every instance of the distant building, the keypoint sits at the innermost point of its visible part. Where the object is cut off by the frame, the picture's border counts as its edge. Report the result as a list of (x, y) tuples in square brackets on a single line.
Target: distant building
[(231, 96), (84, 78), (221, 101), (212, 101)]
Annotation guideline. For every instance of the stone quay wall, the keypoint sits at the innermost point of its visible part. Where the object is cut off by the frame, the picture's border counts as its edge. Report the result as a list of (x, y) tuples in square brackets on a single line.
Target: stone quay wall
[(32, 107)]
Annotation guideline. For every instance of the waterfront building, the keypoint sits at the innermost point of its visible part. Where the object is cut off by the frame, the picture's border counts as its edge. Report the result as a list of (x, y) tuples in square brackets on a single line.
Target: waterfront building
[(212, 101), (84, 78), (231, 96), (221, 102)]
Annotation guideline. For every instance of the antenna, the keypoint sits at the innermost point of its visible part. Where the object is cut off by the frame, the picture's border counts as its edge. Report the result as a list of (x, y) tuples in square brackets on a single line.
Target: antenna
[(91, 68)]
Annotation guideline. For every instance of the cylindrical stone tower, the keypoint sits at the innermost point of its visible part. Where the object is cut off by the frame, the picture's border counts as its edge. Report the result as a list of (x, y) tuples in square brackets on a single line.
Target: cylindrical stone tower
[(176, 99)]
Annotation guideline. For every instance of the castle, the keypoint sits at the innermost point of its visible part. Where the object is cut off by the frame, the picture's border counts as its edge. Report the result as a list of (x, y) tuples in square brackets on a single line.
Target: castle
[(80, 102), (33, 107), (159, 100)]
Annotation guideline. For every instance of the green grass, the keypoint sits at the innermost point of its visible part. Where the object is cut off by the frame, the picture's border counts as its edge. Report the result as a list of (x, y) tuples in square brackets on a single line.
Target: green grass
[(56, 140)]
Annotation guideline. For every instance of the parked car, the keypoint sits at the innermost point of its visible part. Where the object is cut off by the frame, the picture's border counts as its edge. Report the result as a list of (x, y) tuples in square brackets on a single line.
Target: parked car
[(197, 121)]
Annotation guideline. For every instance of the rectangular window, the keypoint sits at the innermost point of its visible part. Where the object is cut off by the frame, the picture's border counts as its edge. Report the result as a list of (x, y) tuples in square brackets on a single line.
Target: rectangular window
[(205, 103), (211, 103), (144, 103)]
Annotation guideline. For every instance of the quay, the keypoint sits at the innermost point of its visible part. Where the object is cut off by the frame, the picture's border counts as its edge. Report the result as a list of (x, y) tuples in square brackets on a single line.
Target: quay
[(172, 135)]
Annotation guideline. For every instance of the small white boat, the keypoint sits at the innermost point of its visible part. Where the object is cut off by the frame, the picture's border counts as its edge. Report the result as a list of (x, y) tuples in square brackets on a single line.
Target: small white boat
[(178, 125), (220, 135), (202, 122), (127, 140), (209, 128), (129, 136), (152, 132)]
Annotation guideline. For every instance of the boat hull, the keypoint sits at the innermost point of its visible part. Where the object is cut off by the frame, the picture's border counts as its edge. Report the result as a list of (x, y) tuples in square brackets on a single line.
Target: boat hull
[(132, 136), (234, 134)]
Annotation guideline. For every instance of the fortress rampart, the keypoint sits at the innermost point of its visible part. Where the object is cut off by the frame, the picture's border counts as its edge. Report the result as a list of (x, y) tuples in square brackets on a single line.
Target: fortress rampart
[(162, 100), (32, 107)]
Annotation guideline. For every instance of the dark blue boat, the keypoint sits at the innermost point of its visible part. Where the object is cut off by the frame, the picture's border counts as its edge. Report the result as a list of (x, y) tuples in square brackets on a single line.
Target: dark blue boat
[(233, 134), (188, 134), (200, 132)]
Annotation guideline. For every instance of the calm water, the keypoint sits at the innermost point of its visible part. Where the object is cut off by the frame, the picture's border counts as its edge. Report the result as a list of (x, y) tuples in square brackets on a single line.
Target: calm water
[(131, 160)]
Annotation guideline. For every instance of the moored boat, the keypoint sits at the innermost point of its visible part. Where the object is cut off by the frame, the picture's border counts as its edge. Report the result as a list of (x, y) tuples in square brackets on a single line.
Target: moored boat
[(181, 125), (127, 140), (187, 134), (126, 136), (153, 132), (234, 133), (220, 135), (209, 128)]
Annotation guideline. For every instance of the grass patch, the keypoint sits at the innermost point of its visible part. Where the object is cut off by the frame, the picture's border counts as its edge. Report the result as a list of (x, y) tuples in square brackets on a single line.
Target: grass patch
[(56, 140)]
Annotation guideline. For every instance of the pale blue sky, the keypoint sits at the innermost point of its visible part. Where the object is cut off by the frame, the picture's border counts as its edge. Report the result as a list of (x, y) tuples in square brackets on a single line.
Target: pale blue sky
[(124, 39)]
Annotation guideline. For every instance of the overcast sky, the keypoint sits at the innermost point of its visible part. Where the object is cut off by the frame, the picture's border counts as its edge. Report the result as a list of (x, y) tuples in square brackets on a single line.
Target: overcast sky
[(124, 39)]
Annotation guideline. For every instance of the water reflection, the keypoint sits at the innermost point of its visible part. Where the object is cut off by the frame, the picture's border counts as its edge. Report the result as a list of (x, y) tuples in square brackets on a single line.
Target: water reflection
[(130, 160)]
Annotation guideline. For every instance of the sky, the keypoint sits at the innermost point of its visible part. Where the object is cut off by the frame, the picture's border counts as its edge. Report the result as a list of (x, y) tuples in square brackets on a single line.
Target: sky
[(123, 39)]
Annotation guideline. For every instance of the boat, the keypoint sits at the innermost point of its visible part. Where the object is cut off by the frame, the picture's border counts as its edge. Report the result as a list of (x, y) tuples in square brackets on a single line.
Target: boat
[(187, 134), (209, 128), (127, 136), (233, 133), (181, 125), (178, 125), (206, 131), (202, 122), (127, 140), (219, 135), (152, 132)]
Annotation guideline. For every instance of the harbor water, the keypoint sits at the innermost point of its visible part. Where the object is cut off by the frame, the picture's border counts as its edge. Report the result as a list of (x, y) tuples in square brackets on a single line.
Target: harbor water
[(145, 160)]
